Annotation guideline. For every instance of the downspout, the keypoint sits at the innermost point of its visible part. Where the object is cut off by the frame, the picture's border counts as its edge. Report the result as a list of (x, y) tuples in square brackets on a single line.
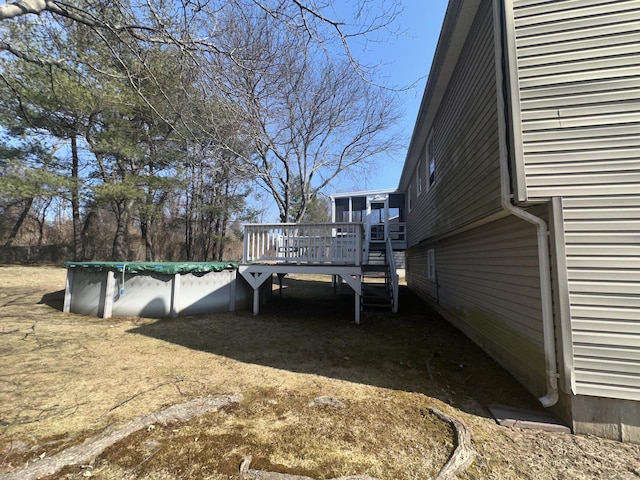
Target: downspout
[(551, 398), (548, 333)]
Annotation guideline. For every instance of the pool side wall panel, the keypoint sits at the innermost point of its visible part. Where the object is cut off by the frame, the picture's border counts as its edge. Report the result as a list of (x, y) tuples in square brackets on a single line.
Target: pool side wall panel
[(87, 292), (152, 294)]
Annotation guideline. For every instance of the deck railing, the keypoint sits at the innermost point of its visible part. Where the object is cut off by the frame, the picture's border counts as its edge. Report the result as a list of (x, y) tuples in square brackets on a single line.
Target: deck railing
[(303, 243), (395, 280), (397, 233)]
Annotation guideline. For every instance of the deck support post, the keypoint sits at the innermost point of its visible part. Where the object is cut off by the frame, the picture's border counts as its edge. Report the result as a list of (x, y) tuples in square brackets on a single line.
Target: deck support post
[(256, 301), (280, 277), (255, 279), (256, 275), (355, 282)]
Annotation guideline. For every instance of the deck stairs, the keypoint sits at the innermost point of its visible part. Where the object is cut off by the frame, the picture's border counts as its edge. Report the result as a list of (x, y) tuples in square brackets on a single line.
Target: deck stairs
[(377, 291)]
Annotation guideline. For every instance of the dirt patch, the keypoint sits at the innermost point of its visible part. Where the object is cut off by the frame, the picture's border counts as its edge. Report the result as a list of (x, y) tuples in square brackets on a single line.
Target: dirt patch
[(66, 377)]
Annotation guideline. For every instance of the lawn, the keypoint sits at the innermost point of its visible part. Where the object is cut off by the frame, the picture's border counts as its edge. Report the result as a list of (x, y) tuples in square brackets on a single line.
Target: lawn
[(67, 377)]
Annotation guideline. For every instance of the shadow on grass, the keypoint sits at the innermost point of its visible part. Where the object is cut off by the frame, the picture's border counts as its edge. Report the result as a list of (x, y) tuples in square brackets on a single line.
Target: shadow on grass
[(310, 330), (54, 300)]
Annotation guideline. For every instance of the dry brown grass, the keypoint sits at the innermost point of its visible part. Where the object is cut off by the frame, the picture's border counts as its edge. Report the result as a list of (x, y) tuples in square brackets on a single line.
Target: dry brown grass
[(64, 377)]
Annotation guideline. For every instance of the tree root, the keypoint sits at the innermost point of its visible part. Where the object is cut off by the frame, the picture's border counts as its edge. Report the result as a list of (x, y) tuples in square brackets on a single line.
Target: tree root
[(94, 446), (134, 396), (249, 474), (461, 458), (464, 453)]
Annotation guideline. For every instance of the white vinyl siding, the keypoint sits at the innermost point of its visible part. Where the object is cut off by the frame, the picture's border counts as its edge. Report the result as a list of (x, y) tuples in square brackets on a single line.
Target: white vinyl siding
[(464, 137), (602, 242), (488, 286), (578, 91)]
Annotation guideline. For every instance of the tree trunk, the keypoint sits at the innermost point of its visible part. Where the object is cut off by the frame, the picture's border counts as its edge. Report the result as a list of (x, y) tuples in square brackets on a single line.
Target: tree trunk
[(16, 227), (87, 252), (78, 253), (120, 247), (149, 253), (42, 220)]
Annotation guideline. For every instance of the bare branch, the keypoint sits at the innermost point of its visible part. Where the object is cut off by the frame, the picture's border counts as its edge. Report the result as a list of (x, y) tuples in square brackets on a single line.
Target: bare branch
[(23, 7)]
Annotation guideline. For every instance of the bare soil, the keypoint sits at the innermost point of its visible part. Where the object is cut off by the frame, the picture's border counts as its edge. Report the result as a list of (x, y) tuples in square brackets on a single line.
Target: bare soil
[(66, 377)]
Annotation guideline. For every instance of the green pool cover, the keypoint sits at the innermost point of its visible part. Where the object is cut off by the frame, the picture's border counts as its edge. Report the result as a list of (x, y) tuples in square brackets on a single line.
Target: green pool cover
[(169, 268)]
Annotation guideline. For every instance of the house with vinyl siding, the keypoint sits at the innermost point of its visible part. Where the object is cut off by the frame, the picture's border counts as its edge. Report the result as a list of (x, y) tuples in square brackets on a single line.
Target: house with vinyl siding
[(522, 185)]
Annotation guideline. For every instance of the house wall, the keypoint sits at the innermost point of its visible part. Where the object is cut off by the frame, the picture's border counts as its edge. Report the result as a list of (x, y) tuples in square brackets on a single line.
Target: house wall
[(575, 98), (576, 92), (572, 77), (465, 140), (487, 285), (487, 278), (602, 256)]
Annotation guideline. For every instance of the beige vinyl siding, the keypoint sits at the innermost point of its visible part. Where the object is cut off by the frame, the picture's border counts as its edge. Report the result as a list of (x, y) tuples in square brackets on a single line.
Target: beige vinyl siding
[(465, 136), (602, 242), (578, 75), (488, 286), (416, 273)]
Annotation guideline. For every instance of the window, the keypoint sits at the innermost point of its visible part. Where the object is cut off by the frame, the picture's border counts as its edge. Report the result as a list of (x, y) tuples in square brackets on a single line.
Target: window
[(431, 159), (431, 265)]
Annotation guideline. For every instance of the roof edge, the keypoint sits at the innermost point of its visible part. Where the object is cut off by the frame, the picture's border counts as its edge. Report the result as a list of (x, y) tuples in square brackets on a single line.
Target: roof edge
[(455, 28)]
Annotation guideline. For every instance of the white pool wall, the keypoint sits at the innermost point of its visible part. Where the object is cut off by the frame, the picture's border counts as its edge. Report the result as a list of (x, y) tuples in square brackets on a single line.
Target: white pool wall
[(151, 294)]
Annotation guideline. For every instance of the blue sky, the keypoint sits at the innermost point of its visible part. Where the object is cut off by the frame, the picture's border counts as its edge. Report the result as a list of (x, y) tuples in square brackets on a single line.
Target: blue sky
[(407, 59)]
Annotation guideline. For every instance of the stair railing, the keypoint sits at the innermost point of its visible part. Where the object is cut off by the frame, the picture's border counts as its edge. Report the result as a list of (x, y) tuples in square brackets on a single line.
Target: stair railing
[(395, 278)]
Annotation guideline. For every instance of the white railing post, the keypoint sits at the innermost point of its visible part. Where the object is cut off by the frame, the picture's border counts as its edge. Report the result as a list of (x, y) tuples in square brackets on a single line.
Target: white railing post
[(358, 251), (319, 243), (245, 247)]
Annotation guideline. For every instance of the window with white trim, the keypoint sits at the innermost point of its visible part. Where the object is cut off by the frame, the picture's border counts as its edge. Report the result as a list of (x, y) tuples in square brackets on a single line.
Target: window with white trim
[(431, 161), (431, 265)]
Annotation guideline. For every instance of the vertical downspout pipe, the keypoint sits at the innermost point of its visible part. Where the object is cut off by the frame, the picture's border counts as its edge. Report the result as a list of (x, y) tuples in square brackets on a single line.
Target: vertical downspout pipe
[(548, 332)]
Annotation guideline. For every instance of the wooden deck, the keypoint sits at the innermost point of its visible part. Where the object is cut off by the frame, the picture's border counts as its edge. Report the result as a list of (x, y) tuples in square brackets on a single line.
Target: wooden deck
[(336, 249)]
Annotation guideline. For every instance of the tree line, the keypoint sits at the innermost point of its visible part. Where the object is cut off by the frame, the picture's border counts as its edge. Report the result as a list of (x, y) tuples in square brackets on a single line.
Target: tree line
[(138, 130)]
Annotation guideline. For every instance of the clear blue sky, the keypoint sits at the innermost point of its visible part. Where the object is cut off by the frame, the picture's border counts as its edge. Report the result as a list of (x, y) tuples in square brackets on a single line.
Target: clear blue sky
[(407, 59)]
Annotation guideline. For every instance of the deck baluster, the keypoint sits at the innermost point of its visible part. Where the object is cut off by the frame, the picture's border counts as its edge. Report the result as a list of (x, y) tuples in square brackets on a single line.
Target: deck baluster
[(322, 243)]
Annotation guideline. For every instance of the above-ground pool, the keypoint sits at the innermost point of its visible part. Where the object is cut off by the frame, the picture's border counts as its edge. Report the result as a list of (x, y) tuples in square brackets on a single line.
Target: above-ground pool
[(148, 289)]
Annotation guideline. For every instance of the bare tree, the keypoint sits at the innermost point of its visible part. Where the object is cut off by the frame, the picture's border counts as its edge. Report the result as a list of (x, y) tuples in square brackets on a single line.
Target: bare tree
[(308, 115), (297, 125), (28, 176), (195, 28)]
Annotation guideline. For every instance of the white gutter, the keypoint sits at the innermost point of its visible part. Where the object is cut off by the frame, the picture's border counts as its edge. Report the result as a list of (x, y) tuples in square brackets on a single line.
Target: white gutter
[(548, 333), (551, 398)]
